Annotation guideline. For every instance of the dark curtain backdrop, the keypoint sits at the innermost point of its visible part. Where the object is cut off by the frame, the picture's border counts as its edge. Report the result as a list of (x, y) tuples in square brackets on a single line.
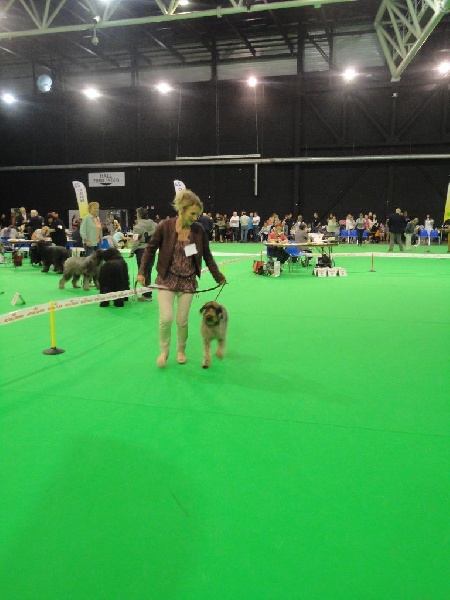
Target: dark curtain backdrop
[(277, 119)]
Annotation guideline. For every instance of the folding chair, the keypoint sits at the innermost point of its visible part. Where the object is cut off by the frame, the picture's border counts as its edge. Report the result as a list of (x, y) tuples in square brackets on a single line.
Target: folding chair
[(5, 250), (343, 235), (434, 235), (296, 258), (423, 236)]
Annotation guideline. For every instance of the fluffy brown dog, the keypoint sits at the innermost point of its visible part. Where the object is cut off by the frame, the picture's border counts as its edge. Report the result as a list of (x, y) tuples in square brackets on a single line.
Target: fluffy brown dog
[(213, 327)]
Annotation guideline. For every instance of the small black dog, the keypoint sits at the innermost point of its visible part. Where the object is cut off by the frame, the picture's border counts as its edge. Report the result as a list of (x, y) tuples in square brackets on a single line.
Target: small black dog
[(52, 255), (113, 276)]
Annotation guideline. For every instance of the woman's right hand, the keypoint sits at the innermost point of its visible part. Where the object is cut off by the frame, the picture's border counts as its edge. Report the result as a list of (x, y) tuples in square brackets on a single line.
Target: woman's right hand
[(141, 279)]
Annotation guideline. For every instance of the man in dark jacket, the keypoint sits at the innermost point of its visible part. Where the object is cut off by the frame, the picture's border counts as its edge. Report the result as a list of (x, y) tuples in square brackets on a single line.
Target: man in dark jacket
[(397, 224), (35, 222), (57, 230), (207, 224)]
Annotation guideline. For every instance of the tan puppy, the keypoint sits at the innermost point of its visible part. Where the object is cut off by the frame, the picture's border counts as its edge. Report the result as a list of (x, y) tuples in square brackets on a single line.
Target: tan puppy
[(213, 327)]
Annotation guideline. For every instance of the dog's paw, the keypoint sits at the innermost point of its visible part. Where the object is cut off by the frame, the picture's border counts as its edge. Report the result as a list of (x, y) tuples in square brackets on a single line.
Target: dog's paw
[(220, 354), (205, 365)]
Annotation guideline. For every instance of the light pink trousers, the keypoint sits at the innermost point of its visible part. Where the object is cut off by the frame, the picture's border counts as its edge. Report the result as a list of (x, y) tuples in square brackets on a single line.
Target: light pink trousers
[(166, 302)]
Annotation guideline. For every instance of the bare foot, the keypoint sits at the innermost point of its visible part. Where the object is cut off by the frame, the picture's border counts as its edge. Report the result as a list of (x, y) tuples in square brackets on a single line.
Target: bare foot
[(161, 360)]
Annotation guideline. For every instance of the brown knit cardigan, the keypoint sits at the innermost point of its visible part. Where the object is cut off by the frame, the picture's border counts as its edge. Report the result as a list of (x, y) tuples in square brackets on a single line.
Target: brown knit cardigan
[(165, 238)]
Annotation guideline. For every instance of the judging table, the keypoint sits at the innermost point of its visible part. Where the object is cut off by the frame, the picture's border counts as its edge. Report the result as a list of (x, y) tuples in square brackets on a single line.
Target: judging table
[(324, 248), (18, 242)]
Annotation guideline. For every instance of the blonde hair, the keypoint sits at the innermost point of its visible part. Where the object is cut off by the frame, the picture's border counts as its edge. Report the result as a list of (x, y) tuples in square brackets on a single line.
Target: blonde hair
[(93, 205), (186, 198)]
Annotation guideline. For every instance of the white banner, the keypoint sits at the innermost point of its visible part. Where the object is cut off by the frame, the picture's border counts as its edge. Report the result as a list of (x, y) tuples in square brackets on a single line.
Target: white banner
[(80, 191), (179, 186), (111, 179)]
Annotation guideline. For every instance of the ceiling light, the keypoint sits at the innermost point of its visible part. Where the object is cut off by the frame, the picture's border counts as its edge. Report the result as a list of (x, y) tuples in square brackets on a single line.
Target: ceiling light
[(252, 81), (444, 67), (349, 74), (183, 2), (91, 93), (44, 83), (8, 98), (164, 88)]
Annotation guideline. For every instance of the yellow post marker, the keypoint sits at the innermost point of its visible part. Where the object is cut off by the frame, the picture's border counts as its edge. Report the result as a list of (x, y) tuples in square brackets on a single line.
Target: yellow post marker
[(53, 349), (223, 267)]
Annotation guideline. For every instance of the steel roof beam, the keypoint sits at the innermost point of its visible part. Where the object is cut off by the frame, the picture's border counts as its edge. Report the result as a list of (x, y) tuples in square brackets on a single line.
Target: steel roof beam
[(403, 26), (220, 11)]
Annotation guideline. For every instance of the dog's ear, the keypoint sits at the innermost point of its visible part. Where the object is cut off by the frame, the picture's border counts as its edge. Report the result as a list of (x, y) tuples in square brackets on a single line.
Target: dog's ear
[(203, 308)]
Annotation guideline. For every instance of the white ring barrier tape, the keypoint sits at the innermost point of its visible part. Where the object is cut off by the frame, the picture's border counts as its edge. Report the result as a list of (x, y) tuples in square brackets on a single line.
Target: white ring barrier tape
[(40, 309)]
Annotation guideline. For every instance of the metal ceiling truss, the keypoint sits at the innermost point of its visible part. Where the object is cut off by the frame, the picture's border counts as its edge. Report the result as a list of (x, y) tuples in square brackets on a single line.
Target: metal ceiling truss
[(47, 20), (403, 26)]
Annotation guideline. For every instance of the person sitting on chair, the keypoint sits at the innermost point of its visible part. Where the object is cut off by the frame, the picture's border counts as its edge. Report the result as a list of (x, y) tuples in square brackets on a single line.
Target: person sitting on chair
[(277, 236), (302, 237)]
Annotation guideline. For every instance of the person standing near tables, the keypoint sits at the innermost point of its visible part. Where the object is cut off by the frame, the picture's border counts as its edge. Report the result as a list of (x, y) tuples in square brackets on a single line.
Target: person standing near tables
[(397, 224), (142, 234), (22, 218), (409, 231), (182, 244), (256, 222), (91, 229), (360, 226), (57, 230), (429, 226), (35, 222), (234, 226)]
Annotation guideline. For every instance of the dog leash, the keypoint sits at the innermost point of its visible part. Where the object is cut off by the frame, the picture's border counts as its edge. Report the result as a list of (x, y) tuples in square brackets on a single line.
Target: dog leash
[(157, 287)]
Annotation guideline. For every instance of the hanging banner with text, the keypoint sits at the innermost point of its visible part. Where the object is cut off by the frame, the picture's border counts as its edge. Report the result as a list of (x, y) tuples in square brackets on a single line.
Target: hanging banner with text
[(80, 191), (111, 179)]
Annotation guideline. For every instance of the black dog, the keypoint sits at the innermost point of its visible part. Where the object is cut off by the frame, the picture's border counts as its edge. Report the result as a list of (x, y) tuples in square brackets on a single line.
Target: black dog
[(52, 255), (113, 276)]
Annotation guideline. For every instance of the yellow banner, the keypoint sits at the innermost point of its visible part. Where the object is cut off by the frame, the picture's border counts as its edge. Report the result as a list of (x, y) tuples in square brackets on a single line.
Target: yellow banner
[(82, 200), (447, 205)]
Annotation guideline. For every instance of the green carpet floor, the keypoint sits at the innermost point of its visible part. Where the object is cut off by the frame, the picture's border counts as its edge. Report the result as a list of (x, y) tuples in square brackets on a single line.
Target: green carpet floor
[(313, 462)]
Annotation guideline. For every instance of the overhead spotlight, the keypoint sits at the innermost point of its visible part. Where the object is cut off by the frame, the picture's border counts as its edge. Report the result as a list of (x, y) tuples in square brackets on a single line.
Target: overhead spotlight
[(94, 39), (349, 74), (96, 19), (91, 93), (183, 2), (8, 98), (444, 67), (164, 88), (44, 83), (252, 81)]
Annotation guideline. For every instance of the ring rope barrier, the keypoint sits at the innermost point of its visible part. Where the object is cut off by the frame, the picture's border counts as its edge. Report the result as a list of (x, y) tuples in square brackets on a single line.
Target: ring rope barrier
[(54, 305)]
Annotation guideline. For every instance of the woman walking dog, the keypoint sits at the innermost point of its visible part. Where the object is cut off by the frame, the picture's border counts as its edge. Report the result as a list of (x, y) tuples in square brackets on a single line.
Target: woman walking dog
[(182, 244)]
